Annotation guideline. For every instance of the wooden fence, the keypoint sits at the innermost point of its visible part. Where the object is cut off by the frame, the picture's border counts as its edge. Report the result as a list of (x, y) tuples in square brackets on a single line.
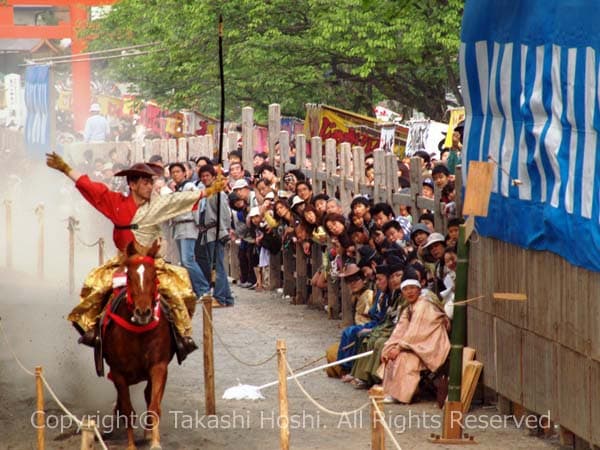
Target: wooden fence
[(543, 354)]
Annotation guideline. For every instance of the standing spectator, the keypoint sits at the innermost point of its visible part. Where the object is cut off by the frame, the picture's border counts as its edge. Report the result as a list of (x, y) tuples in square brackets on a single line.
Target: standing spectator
[(185, 232), (96, 126), (209, 245)]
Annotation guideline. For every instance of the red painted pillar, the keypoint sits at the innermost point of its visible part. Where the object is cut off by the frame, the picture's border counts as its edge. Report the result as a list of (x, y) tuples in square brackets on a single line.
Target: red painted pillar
[(81, 71), (6, 15)]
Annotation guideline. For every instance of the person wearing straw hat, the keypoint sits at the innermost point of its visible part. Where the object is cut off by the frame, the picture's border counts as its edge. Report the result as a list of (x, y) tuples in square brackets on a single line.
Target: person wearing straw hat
[(137, 218), (419, 341), (352, 335), (96, 126)]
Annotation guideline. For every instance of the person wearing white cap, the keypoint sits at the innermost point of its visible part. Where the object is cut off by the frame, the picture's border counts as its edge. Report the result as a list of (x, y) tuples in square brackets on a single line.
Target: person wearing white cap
[(242, 188), (96, 126), (420, 341)]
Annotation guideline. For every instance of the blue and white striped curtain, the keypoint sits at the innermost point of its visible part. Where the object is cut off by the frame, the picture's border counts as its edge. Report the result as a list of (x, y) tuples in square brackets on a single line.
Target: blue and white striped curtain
[(37, 101), (530, 81)]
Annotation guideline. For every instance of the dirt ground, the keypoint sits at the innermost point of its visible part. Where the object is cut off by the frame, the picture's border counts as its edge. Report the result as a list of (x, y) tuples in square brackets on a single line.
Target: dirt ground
[(33, 316)]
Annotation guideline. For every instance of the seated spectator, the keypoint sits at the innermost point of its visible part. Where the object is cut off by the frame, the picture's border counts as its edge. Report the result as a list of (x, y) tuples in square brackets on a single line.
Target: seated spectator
[(364, 370), (352, 335), (419, 341), (429, 220), (362, 298)]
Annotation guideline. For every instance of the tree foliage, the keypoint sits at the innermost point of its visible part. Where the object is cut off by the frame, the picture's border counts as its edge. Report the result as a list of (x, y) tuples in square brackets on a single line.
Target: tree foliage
[(348, 53)]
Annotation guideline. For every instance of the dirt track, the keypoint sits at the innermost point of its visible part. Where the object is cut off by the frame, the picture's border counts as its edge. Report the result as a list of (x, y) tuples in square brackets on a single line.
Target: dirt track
[(33, 315)]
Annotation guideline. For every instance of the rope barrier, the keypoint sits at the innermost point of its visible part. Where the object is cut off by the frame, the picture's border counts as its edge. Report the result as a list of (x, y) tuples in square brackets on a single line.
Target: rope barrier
[(87, 245), (385, 425), (260, 363), (50, 390), (317, 404), (29, 372)]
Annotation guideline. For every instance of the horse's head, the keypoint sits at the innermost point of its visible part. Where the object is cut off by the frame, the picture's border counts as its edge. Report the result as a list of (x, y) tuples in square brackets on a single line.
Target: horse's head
[(142, 282)]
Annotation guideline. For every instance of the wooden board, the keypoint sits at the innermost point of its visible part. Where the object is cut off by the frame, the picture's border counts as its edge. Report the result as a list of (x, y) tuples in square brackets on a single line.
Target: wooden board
[(573, 331), (540, 375), (594, 316), (481, 336), (510, 296), (468, 356), (595, 401), (478, 189), (543, 306), (508, 347), (471, 374), (574, 392)]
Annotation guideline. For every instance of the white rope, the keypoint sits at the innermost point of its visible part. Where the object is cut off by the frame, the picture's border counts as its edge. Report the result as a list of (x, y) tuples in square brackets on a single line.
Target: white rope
[(317, 404), (256, 364), (385, 425), (13, 353), (70, 414), (58, 402)]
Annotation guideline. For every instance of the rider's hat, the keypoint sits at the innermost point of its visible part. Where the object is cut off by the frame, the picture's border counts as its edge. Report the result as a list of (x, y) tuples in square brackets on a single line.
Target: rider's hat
[(141, 169)]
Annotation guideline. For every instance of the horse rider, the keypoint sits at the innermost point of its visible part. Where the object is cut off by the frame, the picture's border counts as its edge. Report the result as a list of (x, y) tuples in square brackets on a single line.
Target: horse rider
[(136, 218)]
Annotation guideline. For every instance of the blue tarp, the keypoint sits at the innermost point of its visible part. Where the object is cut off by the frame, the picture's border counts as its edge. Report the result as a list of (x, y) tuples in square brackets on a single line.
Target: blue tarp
[(530, 81)]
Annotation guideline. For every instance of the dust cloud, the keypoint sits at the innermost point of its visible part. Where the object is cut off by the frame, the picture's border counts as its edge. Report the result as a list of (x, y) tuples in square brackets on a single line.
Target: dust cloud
[(33, 309)]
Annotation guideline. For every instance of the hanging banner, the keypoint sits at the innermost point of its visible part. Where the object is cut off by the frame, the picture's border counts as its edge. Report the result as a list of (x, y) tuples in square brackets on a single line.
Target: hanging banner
[(344, 126), (386, 141), (37, 102), (456, 116), (530, 84)]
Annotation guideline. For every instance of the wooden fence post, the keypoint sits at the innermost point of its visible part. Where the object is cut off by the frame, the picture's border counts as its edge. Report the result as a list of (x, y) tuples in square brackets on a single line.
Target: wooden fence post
[(316, 157), (377, 430), (274, 130), (209, 368), (301, 151), (39, 211), (284, 421), (316, 297), (345, 174), (9, 233), (379, 165), (87, 434), (247, 136), (301, 276), (72, 227), (101, 251), (40, 414)]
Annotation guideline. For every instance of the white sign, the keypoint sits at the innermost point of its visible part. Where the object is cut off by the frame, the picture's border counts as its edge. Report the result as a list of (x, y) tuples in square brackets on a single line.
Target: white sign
[(14, 99)]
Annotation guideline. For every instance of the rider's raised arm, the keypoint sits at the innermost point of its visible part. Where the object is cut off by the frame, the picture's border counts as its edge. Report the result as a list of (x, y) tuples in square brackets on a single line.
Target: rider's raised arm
[(55, 161)]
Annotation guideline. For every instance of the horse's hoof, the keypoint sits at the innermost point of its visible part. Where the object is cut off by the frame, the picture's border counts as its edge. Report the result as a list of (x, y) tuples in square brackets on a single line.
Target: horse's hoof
[(156, 447)]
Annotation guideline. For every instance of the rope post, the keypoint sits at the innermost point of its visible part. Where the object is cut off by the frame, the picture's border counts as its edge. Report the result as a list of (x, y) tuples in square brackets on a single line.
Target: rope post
[(72, 227), (39, 211), (101, 251), (40, 415), (87, 434), (8, 207), (209, 368), (377, 430), (284, 420)]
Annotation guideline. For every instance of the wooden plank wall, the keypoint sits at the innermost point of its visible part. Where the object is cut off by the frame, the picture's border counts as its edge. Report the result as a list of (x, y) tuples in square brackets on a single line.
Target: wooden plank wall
[(543, 354)]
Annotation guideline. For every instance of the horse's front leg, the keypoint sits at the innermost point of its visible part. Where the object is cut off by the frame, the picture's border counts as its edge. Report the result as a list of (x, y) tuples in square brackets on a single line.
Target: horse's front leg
[(124, 406), (158, 380)]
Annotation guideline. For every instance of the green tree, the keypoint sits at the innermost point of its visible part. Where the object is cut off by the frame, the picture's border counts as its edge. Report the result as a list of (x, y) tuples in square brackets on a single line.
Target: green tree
[(348, 53)]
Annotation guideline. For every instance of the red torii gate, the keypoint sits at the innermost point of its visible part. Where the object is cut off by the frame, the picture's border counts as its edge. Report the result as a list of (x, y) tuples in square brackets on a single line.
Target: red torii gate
[(78, 11)]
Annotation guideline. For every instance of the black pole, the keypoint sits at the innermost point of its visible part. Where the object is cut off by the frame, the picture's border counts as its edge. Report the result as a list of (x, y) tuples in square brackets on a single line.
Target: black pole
[(213, 280)]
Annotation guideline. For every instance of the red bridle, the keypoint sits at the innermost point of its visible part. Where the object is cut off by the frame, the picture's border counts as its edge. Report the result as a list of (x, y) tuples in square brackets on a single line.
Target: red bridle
[(130, 305)]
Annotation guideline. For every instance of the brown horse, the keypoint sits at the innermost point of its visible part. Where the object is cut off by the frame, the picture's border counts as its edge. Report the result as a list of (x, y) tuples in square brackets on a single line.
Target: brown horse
[(138, 343)]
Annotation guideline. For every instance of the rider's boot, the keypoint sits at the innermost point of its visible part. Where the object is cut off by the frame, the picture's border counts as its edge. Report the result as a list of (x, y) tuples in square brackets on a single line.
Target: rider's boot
[(89, 338), (188, 344)]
